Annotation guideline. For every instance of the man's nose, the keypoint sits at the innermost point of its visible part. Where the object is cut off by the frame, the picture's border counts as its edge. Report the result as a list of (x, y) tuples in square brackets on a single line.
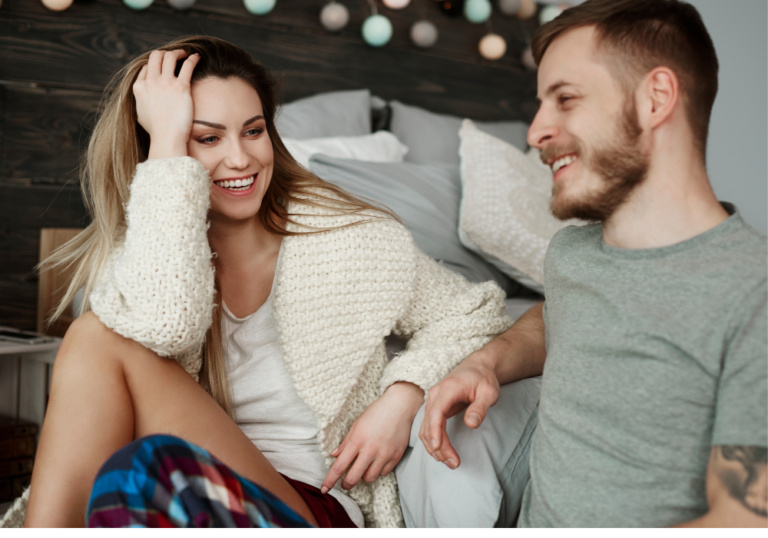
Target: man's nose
[(542, 130)]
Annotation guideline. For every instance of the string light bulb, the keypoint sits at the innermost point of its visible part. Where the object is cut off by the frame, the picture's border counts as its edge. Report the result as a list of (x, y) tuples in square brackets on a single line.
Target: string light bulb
[(396, 4), (259, 7), (509, 7), (477, 11), (492, 47), (527, 9), (334, 16), (424, 34), (549, 13), (57, 5), (377, 30)]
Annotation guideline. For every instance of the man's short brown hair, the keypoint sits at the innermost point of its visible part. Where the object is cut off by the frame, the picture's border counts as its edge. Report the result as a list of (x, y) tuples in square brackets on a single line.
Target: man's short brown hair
[(638, 35)]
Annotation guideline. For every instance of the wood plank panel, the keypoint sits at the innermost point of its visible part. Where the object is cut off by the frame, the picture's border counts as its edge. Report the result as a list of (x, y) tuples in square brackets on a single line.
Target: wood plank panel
[(84, 45), (18, 304), (24, 210), (52, 284), (45, 132)]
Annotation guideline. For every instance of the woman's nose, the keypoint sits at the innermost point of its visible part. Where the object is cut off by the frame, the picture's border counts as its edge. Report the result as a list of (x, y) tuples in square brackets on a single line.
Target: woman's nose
[(237, 157)]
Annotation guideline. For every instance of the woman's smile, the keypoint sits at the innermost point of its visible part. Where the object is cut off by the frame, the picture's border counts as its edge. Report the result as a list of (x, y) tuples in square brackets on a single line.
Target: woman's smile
[(241, 186)]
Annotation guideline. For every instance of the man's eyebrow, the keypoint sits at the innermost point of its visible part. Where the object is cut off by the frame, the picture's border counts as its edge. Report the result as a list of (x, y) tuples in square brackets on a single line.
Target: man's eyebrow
[(224, 127), (554, 87)]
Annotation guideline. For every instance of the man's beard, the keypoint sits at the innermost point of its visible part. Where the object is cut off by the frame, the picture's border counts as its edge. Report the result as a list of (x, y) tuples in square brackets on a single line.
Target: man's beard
[(621, 164)]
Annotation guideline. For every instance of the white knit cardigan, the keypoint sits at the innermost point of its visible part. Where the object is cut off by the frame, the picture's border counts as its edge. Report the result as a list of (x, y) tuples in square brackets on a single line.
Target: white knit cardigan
[(338, 294)]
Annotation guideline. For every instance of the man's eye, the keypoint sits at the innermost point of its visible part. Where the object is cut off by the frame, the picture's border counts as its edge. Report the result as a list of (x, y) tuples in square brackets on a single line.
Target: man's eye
[(564, 99)]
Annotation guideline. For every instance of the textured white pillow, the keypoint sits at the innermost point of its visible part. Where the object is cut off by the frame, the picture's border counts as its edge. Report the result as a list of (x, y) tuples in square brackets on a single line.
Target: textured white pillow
[(379, 147), (504, 213)]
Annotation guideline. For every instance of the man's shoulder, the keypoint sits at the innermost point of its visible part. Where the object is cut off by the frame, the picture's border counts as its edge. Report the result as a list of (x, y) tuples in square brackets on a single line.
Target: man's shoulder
[(575, 236)]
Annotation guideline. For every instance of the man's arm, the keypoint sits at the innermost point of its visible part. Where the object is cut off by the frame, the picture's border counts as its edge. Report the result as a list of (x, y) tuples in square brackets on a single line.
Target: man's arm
[(737, 488), (515, 354)]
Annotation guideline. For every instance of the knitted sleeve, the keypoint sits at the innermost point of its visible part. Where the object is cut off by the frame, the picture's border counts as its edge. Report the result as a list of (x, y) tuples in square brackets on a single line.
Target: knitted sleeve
[(158, 289), (448, 319)]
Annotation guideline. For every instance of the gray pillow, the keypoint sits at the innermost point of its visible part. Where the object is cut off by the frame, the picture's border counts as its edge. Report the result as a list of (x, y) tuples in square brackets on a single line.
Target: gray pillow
[(434, 138), (345, 113), (426, 198)]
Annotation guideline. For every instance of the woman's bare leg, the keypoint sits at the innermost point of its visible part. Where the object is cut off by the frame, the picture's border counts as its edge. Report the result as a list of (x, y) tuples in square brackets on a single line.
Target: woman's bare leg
[(106, 391)]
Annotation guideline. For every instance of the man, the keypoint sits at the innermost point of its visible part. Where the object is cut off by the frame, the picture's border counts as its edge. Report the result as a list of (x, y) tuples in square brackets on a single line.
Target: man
[(654, 394)]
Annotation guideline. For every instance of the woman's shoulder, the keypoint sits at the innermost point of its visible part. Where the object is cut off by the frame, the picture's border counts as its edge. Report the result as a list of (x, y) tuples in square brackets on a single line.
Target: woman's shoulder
[(327, 211)]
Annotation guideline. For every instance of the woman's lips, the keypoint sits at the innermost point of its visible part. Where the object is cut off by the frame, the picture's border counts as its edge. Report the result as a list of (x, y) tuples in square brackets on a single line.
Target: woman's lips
[(244, 192)]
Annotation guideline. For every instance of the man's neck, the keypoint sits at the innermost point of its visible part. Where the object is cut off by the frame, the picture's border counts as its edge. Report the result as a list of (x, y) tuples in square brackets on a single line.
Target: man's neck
[(673, 204)]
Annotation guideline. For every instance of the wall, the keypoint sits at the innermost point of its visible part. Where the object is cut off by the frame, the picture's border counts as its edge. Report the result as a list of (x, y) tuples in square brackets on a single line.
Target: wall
[(738, 137)]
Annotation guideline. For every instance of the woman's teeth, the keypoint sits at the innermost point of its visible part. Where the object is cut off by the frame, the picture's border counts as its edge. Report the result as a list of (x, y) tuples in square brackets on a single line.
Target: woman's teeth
[(237, 184), (562, 161)]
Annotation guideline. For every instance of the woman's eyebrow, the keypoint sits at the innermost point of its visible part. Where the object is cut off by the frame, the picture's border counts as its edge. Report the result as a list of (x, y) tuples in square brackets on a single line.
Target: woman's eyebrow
[(211, 124), (224, 127), (248, 122)]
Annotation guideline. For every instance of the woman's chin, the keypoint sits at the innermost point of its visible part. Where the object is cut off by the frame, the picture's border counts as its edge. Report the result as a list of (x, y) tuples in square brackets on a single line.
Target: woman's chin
[(232, 215)]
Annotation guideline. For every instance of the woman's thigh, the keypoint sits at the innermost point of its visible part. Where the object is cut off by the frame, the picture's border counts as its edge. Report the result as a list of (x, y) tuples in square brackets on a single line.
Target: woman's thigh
[(107, 390)]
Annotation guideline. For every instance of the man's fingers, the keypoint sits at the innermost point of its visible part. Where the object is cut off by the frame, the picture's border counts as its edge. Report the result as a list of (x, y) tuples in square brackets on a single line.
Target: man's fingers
[(435, 428), (338, 468), (447, 454), (188, 67), (475, 414)]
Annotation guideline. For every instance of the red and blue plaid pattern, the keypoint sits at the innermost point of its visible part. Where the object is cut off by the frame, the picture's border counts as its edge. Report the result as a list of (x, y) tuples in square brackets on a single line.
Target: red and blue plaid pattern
[(164, 481)]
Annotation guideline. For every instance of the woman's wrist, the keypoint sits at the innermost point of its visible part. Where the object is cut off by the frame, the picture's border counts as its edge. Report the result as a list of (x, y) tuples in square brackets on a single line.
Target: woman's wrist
[(407, 394), (166, 150)]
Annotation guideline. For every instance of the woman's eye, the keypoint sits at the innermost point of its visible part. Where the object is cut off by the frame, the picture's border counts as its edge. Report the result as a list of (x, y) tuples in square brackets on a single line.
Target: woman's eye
[(254, 132), (208, 140), (564, 99)]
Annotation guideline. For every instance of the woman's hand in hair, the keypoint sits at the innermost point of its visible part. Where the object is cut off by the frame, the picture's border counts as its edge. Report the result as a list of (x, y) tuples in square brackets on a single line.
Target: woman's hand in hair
[(164, 102), (377, 439)]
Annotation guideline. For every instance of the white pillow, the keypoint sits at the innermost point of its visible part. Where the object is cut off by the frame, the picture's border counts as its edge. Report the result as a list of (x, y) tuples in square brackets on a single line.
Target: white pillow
[(379, 147), (504, 214)]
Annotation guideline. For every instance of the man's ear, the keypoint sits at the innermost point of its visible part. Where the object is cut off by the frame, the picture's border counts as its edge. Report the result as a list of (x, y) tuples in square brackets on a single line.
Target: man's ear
[(659, 94)]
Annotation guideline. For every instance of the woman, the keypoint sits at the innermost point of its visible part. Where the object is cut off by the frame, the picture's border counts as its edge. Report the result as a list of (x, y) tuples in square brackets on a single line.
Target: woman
[(283, 326)]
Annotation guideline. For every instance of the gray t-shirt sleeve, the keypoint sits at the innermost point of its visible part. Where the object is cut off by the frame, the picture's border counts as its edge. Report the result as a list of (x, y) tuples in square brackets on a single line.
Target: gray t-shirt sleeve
[(741, 415)]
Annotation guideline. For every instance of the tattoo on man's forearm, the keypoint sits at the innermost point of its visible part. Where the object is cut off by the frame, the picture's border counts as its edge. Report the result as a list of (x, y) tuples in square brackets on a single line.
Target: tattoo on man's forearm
[(748, 485)]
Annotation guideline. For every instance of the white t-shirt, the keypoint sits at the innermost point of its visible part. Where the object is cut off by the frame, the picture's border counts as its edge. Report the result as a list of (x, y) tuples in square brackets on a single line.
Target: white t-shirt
[(266, 405)]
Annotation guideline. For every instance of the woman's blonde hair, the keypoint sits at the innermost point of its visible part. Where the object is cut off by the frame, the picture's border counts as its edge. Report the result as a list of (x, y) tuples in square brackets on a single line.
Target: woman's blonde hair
[(119, 143)]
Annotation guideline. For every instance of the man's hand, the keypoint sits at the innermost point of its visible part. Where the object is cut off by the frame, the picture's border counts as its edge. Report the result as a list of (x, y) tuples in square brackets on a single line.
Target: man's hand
[(473, 383), (377, 439), (516, 354)]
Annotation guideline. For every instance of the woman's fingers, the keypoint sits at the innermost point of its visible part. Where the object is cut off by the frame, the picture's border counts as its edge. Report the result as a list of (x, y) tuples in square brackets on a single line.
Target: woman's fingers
[(389, 466), (338, 468), (354, 475), (374, 470), (155, 63), (142, 74), (188, 67), (169, 61)]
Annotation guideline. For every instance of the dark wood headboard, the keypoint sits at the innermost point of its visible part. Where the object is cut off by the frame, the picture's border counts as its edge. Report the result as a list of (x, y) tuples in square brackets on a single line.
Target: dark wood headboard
[(53, 67)]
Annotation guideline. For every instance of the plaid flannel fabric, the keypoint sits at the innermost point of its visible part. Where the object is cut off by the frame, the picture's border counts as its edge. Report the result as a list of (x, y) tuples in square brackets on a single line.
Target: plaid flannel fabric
[(164, 481)]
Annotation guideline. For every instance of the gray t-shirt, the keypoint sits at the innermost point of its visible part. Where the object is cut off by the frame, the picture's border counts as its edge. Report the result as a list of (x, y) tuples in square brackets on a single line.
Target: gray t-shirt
[(653, 356)]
